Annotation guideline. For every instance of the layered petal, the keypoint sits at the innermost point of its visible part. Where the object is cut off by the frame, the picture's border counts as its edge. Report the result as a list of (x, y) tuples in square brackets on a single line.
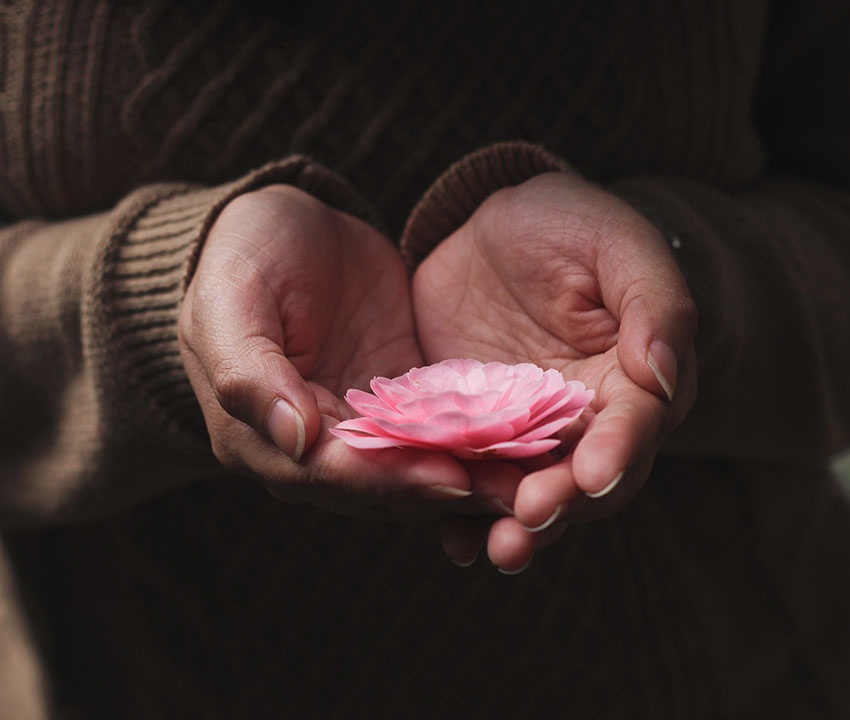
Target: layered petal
[(468, 408)]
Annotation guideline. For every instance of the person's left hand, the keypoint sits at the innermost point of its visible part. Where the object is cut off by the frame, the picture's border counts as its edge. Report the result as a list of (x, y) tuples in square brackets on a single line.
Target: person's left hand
[(560, 273), (293, 302)]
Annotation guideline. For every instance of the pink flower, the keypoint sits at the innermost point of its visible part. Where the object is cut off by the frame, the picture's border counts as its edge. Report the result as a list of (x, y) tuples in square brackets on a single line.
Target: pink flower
[(466, 408)]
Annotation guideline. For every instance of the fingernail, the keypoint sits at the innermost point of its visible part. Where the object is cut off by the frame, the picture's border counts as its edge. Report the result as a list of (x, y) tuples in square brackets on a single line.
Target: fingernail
[(286, 429), (463, 563), (608, 488), (500, 506), (552, 518), (449, 491), (514, 572), (661, 356)]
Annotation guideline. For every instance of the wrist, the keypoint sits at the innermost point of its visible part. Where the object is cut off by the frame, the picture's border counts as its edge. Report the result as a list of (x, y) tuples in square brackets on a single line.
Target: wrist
[(459, 191)]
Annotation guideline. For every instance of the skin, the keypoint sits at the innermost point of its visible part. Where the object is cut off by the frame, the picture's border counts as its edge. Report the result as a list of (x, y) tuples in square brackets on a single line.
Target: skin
[(294, 300), (560, 273)]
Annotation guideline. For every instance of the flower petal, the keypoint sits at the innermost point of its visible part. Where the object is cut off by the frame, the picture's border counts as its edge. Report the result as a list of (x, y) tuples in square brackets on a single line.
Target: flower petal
[(509, 449), (499, 376), (474, 405), (563, 402), (435, 379), (461, 366), (553, 383), (421, 408), (476, 381), (365, 442), (393, 392), (370, 405), (548, 428), (466, 407), (361, 425), (523, 389), (475, 431), (421, 434)]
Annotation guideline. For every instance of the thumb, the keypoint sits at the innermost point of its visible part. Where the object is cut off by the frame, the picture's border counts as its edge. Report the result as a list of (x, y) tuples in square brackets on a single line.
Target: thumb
[(657, 330), (244, 368), (657, 315), (257, 385)]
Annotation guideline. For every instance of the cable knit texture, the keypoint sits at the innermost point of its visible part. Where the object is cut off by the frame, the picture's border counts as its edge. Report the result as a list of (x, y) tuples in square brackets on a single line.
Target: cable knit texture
[(721, 591)]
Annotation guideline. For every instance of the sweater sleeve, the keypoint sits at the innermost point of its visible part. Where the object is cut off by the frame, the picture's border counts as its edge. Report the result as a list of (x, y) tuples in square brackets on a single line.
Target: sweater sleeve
[(97, 410)]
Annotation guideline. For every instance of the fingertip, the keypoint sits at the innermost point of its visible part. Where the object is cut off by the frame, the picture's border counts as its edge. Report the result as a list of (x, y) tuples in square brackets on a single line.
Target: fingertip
[(509, 547), (294, 390), (651, 364), (447, 492), (656, 331), (543, 495), (462, 540), (439, 474), (597, 463), (519, 570), (286, 428), (559, 511), (606, 489), (663, 363), (495, 483), (294, 422)]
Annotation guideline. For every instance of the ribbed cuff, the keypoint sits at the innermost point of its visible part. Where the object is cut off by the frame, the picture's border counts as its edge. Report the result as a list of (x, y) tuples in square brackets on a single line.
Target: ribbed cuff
[(136, 287), (458, 192)]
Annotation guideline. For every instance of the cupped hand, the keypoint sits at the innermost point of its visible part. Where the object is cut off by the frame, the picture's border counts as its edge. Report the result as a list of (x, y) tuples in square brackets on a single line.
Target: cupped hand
[(291, 304), (559, 272)]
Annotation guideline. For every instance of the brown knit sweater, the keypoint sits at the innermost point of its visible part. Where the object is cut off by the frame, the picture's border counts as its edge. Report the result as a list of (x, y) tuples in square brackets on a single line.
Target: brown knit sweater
[(156, 587)]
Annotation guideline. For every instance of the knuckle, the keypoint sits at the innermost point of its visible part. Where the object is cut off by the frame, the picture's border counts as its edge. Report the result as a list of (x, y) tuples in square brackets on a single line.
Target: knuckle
[(292, 206), (231, 389), (186, 326), (676, 311), (687, 313), (226, 454)]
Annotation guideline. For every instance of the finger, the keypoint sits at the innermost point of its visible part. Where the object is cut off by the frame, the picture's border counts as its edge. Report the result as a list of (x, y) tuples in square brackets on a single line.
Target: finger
[(628, 428), (462, 539), (390, 474), (644, 288), (615, 455), (494, 485), (509, 546), (258, 386), (543, 497), (337, 477), (608, 466), (235, 342)]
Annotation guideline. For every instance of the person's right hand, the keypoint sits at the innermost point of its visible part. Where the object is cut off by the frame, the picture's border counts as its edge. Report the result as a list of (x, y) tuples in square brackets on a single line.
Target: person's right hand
[(561, 273), (292, 303)]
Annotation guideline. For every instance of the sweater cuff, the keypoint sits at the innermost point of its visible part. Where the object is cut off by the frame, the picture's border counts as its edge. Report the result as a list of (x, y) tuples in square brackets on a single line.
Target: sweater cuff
[(135, 288), (458, 192)]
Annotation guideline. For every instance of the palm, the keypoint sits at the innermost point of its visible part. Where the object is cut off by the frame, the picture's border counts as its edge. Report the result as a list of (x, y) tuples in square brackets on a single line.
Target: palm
[(331, 295), (510, 300), (291, 304), (559, 273), (491, 301)]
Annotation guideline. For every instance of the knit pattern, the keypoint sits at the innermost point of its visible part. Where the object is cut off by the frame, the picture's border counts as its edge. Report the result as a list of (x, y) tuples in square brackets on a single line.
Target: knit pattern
[(388, 95), (129, 125)]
